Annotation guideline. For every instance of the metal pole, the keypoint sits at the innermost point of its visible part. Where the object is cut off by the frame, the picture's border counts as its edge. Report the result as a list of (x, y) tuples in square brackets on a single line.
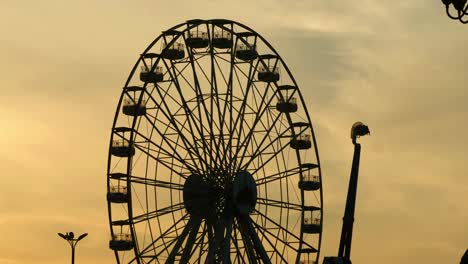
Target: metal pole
[(348, 218), (70, 238), (73, 253), (344, 252)]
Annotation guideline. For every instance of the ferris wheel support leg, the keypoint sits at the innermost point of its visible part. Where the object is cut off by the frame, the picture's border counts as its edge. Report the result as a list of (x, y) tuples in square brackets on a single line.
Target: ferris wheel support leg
[(190, 241), (227, 241), (219, 243), (247, 243), (180, 241), (252, 238)]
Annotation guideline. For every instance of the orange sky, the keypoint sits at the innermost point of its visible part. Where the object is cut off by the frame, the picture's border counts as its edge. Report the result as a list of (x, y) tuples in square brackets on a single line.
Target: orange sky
[(398, 66)]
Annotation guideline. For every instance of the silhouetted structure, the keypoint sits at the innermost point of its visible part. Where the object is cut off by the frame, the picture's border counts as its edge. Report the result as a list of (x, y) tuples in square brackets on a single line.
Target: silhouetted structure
[(70, 238), (212, 156), (464, 259), (344, 251), (460, 9)]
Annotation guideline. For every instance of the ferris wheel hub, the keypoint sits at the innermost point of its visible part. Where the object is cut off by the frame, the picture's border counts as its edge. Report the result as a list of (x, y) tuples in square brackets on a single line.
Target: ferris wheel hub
[(244, 192), (205, 198)]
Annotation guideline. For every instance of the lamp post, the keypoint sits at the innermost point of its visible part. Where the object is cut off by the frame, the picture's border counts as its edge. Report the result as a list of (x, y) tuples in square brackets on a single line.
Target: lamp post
[(461, 9), (70, 238)]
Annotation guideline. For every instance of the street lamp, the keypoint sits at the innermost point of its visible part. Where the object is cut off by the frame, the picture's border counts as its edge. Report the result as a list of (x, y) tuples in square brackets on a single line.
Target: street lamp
[(461, 9), (70, 238)]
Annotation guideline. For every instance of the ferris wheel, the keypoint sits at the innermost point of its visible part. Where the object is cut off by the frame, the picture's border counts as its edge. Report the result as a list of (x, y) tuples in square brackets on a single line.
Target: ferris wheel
[(212, 155)]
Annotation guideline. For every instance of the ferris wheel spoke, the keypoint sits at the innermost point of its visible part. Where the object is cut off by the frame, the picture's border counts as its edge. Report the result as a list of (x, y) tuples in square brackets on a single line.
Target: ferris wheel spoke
[(191, 120), (210, 112), (272, 142), (157, 213), (185, 141), (177, 126), (277, 176), (265, 231), (254, 246), (243, 73), (235, 134), (297, 240), (199, 96), (227, 109), (273, 245), (167, 164), (218, 67), (252, 128), (222, 114), (280, 204), (215, 102), (228, 115), (267, 131), (234, 127), (168, 141), (163, 246), (275, 154), (272, 157), (156, 183), (240, 118), (262, 150)]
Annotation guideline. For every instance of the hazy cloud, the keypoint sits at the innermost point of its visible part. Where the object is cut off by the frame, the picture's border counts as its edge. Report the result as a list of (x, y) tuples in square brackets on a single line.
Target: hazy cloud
[(398, 66)]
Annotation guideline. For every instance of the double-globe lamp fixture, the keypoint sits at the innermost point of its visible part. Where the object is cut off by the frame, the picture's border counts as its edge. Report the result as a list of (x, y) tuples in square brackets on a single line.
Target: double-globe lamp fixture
[(70, 238), (461, 9)]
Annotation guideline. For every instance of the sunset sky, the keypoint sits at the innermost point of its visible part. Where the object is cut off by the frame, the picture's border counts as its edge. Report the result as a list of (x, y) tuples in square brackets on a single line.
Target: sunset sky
[(400, 67)]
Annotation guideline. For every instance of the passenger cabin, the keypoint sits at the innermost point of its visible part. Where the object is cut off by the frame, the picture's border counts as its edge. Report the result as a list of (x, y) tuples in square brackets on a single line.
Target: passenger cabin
[(222, 39), (246, 52), (197, 39), (270, 73), (246, 48), (121, 242), (132, 108), (301, 142), (308, 181), (311, 224), (151, 76), (176, 51), (268, 69), (287, 106), (117, 194), (121, 148)]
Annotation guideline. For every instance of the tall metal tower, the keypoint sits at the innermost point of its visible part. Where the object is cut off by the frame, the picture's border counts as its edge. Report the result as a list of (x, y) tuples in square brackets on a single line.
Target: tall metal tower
[(344, 251)]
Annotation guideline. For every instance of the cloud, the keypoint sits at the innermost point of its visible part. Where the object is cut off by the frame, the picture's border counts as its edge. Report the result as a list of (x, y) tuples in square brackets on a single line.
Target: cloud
[(398, 66)]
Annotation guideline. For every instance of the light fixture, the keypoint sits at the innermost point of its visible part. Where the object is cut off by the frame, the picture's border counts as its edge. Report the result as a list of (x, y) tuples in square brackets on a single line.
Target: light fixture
[(459, 10)]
